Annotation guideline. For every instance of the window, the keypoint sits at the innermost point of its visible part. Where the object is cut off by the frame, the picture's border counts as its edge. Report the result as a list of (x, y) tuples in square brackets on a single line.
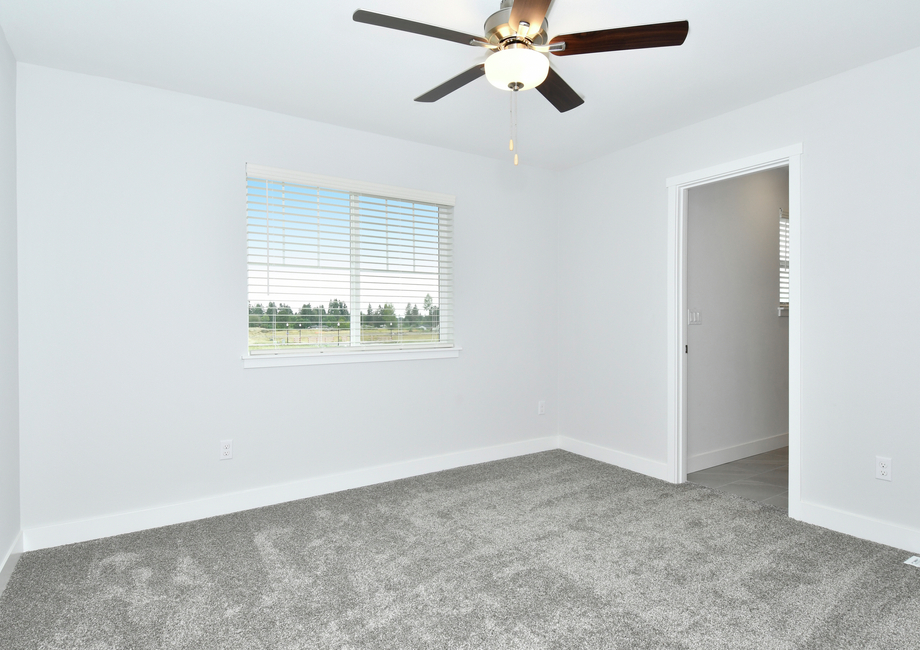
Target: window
[(784, 259), (345, 265)]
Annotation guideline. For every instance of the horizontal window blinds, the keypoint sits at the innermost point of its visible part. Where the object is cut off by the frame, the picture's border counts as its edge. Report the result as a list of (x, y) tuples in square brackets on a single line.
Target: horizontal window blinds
[(784, 258), (347, 268)]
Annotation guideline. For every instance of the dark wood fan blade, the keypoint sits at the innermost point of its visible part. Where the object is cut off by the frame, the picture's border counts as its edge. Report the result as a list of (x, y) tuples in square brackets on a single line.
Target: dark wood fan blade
[(559, 93), (451, 85), (624, 38), (529, 11), (382, 20)]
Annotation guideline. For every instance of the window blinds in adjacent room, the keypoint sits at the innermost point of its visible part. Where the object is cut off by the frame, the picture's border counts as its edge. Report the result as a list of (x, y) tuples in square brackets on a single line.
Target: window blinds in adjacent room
[(784, 258), (345, 264)]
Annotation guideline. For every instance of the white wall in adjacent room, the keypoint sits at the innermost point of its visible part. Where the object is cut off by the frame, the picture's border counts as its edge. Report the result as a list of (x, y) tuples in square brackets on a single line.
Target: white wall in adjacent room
[(133, 298), (9, 326), (738, 362), (860, 351)]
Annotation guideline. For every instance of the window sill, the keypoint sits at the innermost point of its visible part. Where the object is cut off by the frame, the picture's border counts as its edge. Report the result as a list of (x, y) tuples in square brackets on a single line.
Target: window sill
[(321, 358)]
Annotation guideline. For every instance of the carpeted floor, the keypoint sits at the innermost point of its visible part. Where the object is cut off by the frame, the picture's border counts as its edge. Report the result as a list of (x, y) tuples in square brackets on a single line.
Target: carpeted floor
[(551, 550)]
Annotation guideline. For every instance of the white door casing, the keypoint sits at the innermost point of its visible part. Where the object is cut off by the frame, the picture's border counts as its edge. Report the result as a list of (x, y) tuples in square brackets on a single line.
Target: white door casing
[(678, 188)]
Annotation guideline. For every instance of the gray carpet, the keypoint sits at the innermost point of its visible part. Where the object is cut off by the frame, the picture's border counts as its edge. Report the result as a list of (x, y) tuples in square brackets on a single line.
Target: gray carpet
[(551, 550)]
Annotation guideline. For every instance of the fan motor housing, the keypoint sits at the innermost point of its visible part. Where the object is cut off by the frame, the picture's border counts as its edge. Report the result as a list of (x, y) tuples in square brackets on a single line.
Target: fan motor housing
[(497, 28)]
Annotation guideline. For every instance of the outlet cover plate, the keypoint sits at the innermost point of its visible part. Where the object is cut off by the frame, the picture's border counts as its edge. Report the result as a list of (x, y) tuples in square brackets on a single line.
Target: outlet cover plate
[(226, 449), (882, 468)]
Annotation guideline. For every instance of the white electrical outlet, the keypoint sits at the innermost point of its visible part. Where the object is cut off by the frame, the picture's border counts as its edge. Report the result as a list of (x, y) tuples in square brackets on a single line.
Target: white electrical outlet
[(541, 407), (882, 468), (226, 449)]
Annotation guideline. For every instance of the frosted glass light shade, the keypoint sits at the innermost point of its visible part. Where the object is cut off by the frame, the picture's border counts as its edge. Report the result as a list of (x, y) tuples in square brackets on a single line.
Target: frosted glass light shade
[(519, 65)]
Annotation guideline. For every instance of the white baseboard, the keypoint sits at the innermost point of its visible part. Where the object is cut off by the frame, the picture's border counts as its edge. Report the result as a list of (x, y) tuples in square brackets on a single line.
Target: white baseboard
[(737, 452), (8, 563), (873, 530), (79, 531), (638, 464), (129, 522)]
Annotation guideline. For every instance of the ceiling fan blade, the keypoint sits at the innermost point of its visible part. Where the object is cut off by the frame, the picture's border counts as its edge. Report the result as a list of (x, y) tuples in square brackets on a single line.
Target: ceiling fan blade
[(391, 22), (451, 85), (559, 93), (529, 11), (623, 38)]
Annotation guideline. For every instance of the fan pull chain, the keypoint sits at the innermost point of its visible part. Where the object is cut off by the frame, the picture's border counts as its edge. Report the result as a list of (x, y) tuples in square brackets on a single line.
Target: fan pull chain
[(514, 98), (511, 122), (515, 87)]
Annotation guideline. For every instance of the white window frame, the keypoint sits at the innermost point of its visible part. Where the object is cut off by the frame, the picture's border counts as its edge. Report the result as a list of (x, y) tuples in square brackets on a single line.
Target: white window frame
[(358, 354)]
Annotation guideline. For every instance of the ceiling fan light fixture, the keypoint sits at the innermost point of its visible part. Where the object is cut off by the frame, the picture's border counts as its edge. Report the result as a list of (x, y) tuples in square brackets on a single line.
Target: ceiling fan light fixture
[(517, 65)]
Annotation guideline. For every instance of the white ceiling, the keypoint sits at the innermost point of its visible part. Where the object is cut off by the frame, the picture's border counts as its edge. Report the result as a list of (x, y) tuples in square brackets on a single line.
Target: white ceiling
[(309, 59)]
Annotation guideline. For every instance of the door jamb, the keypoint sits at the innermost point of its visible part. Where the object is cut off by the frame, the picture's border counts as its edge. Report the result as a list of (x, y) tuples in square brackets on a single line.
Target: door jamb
[(678, 191)]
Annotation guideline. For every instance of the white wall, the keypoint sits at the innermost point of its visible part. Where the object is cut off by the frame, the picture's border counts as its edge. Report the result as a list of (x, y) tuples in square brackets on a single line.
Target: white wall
[(9, 328), (859, 268), (738, 364), (130, 225), (133, 298)]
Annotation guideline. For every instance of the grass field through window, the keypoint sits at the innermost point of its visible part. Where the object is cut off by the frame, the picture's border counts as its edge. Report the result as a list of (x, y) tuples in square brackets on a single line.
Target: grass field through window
[(262, 339)]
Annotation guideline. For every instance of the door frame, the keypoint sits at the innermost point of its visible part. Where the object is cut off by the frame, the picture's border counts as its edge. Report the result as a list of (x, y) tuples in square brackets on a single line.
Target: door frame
[(678, 192)]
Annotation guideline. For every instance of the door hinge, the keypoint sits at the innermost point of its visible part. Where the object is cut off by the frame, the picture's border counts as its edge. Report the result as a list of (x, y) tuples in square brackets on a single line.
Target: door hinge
[(686, 349)]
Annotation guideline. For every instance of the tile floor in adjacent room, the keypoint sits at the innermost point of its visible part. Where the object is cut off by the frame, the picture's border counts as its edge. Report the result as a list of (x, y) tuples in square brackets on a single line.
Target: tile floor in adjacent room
[(764, 478)]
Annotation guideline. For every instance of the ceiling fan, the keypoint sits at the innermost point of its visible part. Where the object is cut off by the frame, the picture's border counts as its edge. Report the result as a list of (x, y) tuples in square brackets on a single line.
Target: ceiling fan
[(516, 35)]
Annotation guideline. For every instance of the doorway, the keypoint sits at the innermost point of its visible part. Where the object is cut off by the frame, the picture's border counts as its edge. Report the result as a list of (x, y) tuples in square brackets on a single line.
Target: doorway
[(678, 307), (738, 336)]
